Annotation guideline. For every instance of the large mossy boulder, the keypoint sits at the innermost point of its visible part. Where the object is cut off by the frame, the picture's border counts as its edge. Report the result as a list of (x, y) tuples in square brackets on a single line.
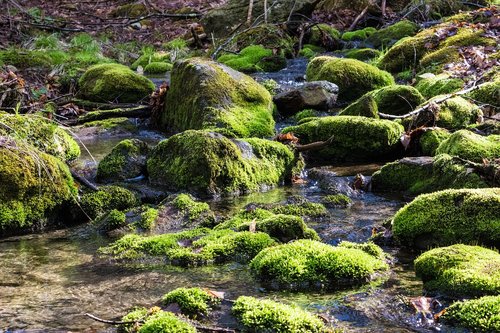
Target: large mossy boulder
[(353, 77), (417, 175), (207, 95), (478, 315), (126, 160), (470, 216), (210, 163), (433, 85), (41, 133), (354, 138), (34, 186), (309, 264), (460, 270), (470, 146), (114, 83), (387, 36)]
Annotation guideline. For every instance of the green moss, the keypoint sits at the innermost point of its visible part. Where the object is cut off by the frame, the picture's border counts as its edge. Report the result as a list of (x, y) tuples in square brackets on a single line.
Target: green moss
[(471, 146), (245, 216), (192, 301), (454, 113), (130, 10), (480, 315), (229, 102), (434, 61), (166, 322), (307, 53), (362, 54), (126, 160), (431, 139), (450, 216), (370, 248), (311, 264), (249, 59), (265, 315), (337, 200), (361, 34), (460, 270), (353, 77), (148, 218), (355, 138), (310, 209), (365, 106), (112, 220), (438, 85), (387, 36), (272, 63), (149, 56), (308, 113), (269, 36), (107, 198), (489, 94), (157, 68), (113, 82), (26, 58), (210, 163), (469, 37), (33, 186), (186, 204), (40, 132), (323, 35), (121, 123)]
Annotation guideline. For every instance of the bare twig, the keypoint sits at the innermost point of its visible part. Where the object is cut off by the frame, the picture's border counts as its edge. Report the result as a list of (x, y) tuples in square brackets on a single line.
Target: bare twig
[(359, 17), (113, 322), (250, 11)]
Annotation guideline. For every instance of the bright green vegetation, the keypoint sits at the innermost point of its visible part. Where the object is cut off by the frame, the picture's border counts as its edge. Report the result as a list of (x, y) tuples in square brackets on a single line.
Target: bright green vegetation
[(395, 100), (95, 204), (253, 58), (211, 163), (361, 34), (244, 217), (148, 218), (471, 146), (431, 139), (362, 54), (41, 133), (270, 36), (469, 216), (442, 173), (114, 83), (487, 94), (269, 316), (126, 160), (230, 102), (306, 264), (353, 77), (155, 321), (480, 315), (112, 220), (337, 200), (186, 204), (157, 67), (310, 209), (192, 301), (355, 138), (460, 270), (307, 113), (149, 56), (388, 36), (34, 186), (121, 124), (454, 113)]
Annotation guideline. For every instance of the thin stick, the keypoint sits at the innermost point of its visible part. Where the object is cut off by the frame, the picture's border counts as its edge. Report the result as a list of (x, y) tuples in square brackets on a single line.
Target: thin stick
[(359, 17), (250, 11), (113, 322)]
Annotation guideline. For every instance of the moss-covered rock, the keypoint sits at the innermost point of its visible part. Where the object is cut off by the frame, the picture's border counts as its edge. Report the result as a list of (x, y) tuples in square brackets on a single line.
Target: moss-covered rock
[(460, 270), (126, 160), (355, 138), (358, 35), (211, 163), (307, 264), (324, 36), (43, 134), (192, 301), (431, 139), (454, 113), (33, 187), (479, 315), (362, 54), (434, 61), (471, 146), (387, 36), (437, 9), (353, 77), (489, 93), (254, 58), (154, 320), (157, 67), (114, 83), (266, 315), (207, 95), (337, 200), (446, 217), (434, 85), (95, 204), (425, 174), (149, 57)]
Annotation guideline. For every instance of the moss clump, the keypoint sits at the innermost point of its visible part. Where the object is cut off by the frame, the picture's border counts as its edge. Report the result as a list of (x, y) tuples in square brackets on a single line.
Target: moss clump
[(121, 124), (365, 106), (230, 102), (265, 315), (337, 200), (253, 59), (387, 36), (112, 220), (460, 270), (431, 139), (186, 204), (446, 217), (43, 134), (95, 204), (33, 186), (26, 58), (479, 315), (362, 54), (438, 85), (306, 208), (311, 264), (126, 160), (211, 163), (148, 218), (114, 83), (471, 146), (412, 176), (489, 94), (165, 322), (355, 138), (149, 57), (157, 68), (434, 61), (361, 34), (454, 113), (192, 301), (308, 113), (353, 77)]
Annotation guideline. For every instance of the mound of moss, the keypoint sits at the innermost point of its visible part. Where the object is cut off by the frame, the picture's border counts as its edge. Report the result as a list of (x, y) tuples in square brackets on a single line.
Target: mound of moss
[(354, 138), (95, 204), (362, 54), (489, 93), (191, 301), (211, 163), (471, 146), (154, 320), (206, 95), (479, 315), (269, 316), (157, 67), (114, 83), (454, 113), (34, 186), (41, 133), (126, 160), (253, 58), (353, 77), (460, 270), (337, 200), (306, 264), (387, 36), (431, 139), (358, 35), (446, 217)]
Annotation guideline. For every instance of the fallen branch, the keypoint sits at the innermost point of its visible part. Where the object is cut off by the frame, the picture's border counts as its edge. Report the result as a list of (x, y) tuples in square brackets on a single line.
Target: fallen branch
[(97, 105), (113, 322), (359, 17), (313, 145), (84, 181), (142, 111)]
